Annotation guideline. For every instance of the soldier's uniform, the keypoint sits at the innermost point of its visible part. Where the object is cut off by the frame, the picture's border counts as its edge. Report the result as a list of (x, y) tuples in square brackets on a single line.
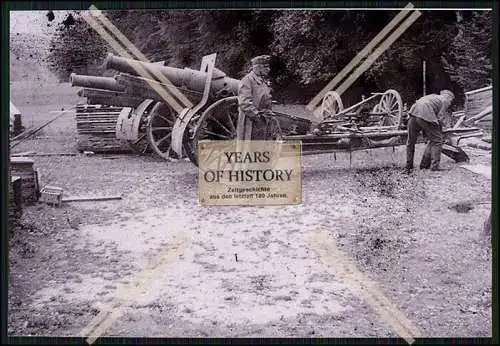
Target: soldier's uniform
[(427, 115), (254, 102)]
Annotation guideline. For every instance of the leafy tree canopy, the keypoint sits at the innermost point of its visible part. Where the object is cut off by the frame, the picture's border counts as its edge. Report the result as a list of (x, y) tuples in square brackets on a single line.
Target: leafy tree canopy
[(308, 47)]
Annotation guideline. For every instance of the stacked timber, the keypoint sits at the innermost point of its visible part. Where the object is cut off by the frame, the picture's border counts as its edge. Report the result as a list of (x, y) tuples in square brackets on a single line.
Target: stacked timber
[(96, 128), (478, 107), (22, 167), (109, 97)]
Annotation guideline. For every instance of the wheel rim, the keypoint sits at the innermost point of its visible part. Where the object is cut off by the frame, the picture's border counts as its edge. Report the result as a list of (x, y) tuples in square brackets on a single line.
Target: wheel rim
[(391, 107), (331, 105), (187, 139), (376, 109), (218, 122), (141, 145), (159, 130)]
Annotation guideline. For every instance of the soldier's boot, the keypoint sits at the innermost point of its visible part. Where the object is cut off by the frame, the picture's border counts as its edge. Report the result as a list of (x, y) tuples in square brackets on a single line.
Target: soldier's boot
[(425, 163), (408, 168), (435, 157), (410, 152)]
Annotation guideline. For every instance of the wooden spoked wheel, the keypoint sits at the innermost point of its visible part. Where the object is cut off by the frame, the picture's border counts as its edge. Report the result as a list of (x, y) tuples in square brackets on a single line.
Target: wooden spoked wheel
[(390, 108), (141, 145), (376, 108), (159, 130), (218, 122), (331, 105)]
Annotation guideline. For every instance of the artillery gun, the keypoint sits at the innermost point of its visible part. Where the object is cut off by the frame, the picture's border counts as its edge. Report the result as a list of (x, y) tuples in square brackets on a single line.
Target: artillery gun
[(150, 106), (162, 105), (170, 110)]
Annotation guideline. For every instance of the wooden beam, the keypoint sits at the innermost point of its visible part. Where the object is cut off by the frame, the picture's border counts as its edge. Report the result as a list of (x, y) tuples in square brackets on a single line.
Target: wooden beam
[(43, 154), (87, 199), (26, 134)]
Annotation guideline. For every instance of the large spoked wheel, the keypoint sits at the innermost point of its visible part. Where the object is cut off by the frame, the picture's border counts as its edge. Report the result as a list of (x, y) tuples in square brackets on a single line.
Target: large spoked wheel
[(331, 105), (141, 145), (159, 130), (188, 141), (390, 108), (218, 122), (376, 108)]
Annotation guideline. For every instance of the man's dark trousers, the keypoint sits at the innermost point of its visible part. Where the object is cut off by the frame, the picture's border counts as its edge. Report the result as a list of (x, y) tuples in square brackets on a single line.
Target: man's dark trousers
[(435, 137)]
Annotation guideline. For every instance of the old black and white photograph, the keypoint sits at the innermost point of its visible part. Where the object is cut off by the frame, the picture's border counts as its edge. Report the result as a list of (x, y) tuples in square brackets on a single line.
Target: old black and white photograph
[(377, 225)]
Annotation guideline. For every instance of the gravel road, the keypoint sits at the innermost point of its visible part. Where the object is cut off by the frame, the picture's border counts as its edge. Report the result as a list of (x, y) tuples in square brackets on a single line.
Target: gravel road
[(251, 271)]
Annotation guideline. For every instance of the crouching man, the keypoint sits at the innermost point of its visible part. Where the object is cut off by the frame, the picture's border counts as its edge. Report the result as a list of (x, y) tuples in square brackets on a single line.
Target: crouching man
[(427, 115)]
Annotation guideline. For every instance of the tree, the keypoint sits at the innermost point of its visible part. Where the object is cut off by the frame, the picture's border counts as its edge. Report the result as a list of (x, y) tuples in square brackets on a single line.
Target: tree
[(308, 47), (180, 38), (314, 46), (400, 66), (469, 59), (76, 47)]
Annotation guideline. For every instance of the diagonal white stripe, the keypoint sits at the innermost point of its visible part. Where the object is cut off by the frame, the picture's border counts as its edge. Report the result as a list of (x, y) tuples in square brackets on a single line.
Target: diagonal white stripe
[(140, 70), (135, 51), (379, 51), (141, 283), (363, 53), (333, 257)]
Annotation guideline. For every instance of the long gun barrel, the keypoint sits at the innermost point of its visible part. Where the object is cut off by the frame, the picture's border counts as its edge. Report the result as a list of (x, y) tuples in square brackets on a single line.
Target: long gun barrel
[(106, 83), (188, 78)]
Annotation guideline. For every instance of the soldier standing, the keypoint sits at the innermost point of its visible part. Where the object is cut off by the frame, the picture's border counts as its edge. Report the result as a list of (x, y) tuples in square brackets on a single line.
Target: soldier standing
[(254, 102), (427, 115)]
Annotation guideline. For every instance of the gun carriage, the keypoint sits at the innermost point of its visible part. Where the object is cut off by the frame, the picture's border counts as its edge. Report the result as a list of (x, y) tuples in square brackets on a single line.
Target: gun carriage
[(169, 110)]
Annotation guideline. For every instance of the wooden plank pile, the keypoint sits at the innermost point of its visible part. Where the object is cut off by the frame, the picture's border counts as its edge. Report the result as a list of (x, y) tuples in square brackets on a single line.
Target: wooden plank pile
[(22, 167), (108, 97), (479, 102), (96, 128)]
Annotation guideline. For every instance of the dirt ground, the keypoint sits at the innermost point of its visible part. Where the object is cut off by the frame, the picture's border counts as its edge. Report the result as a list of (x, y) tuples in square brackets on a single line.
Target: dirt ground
[(418, 237)]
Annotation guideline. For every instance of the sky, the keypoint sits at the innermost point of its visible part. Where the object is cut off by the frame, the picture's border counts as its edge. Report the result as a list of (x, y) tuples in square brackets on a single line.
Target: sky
[(33, 22)]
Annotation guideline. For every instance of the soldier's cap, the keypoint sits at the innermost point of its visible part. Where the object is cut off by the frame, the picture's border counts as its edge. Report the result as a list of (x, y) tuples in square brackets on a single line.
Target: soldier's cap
[(447, 93), (261, 60)]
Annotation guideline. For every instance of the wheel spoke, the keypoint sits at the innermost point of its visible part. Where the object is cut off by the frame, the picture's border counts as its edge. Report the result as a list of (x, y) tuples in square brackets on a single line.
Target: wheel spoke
[(221, 125), (169, 149), (166, 119), (163, 139), (203, 135), (387, 102), (331, 105), (233, 127), (217, 134), (161, 128), (139, 139)]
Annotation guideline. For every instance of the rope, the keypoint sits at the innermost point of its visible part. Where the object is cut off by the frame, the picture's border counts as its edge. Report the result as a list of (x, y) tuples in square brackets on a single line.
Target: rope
[(47, 176), (25, 135)]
